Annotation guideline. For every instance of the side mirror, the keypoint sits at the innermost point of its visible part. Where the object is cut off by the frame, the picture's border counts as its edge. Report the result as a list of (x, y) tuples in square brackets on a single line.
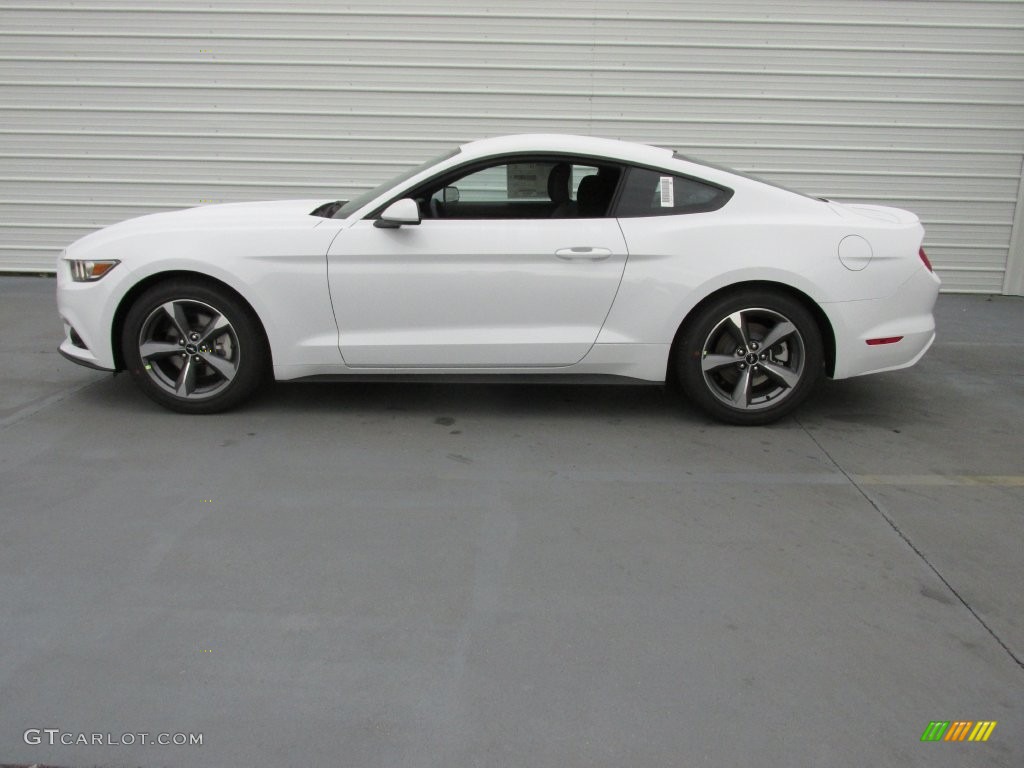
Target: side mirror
[(404, 211), (451, 194)]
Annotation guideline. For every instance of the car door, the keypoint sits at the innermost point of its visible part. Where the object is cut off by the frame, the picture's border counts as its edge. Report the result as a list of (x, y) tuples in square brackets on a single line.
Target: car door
[(498, 274)]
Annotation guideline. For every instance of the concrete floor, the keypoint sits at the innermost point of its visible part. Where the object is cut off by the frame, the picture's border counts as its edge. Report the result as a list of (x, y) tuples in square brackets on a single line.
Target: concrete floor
[(426, 575)]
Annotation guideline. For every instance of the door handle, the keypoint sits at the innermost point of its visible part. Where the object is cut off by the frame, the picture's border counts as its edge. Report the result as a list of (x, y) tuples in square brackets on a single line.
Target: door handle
[(583, 254)]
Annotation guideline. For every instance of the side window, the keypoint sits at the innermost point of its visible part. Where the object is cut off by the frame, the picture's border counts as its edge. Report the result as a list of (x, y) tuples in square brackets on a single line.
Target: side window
[(508, 190), (579, 173), (506, 183), (654, 193), (547, 188)]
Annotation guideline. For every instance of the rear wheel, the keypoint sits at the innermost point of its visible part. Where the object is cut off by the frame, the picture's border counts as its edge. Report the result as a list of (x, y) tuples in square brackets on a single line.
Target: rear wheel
[(193, 347), (750, 357)]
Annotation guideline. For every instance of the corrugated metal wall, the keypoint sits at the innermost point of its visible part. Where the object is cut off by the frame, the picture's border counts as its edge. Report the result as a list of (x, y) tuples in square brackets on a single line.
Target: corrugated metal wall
[(111, 109)]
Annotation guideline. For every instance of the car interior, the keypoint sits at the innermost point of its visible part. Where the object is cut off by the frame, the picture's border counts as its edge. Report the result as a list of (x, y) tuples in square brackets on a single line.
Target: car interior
[(522, 190)]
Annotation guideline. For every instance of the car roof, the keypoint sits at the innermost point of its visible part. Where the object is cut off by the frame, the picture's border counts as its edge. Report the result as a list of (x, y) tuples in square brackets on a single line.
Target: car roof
[(569, 144)]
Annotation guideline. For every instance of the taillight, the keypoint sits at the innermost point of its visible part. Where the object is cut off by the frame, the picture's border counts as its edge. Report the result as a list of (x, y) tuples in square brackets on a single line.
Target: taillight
[(924, 258)]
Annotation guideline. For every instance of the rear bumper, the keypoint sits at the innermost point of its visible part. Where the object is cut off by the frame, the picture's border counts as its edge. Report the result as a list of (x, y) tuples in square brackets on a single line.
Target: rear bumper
[(906, 313)]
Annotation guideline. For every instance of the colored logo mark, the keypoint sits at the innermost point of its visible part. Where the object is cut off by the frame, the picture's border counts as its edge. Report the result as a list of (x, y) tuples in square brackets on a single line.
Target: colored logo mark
[(958, 730)]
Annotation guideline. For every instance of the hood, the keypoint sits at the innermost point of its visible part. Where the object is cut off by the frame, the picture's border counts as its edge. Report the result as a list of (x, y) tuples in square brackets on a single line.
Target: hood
[(230, 215), (277, 215)]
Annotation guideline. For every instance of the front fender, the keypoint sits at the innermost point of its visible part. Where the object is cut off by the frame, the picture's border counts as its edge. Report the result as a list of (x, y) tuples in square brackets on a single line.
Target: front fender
[(281, 274)]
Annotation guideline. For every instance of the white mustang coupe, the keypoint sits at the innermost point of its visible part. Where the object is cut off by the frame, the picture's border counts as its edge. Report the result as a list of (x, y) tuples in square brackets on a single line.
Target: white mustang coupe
[(542, 257)]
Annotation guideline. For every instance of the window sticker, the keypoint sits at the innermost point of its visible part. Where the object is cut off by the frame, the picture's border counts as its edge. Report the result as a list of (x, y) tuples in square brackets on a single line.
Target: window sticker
[(667, 196), (528, 181)]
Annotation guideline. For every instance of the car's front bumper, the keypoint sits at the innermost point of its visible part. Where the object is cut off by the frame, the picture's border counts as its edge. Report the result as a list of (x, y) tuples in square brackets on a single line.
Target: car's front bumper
[(81, 356), (87, 311)]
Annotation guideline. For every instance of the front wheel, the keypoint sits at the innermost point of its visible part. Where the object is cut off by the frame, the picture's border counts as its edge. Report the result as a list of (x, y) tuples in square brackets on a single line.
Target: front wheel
[(193, 347), (750, 357)]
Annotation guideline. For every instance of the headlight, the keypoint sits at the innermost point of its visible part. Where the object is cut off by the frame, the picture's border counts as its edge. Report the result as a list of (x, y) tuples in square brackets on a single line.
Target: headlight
[(90, 271)]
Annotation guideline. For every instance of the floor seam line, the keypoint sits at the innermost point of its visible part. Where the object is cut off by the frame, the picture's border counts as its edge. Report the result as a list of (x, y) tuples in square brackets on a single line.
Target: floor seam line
[(32, 410), (906, 540)]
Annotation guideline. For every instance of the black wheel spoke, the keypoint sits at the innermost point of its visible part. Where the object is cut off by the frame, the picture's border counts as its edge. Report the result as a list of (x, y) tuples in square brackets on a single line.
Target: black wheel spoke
[(777, 334), (741, 390), (781, 374), (736, 323), (714, 362), (224, 367)]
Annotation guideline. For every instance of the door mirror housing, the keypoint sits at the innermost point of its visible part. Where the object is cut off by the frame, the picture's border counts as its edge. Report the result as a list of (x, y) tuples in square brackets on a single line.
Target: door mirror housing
[(451, 194), (399, 213)]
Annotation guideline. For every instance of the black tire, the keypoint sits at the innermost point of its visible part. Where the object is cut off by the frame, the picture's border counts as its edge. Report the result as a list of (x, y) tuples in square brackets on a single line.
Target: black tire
[(194, 347), (725, 368)]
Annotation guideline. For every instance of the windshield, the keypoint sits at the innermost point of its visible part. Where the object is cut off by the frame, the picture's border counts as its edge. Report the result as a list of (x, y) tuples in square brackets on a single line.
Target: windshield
[(359, 201)]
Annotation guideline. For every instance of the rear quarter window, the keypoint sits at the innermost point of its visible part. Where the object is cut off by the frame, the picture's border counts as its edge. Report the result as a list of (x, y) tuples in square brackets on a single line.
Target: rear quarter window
[(658, 193)]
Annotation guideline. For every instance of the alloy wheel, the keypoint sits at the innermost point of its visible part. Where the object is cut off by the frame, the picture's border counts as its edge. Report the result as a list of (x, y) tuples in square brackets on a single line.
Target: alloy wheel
[(753, 359), (189, 349)]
